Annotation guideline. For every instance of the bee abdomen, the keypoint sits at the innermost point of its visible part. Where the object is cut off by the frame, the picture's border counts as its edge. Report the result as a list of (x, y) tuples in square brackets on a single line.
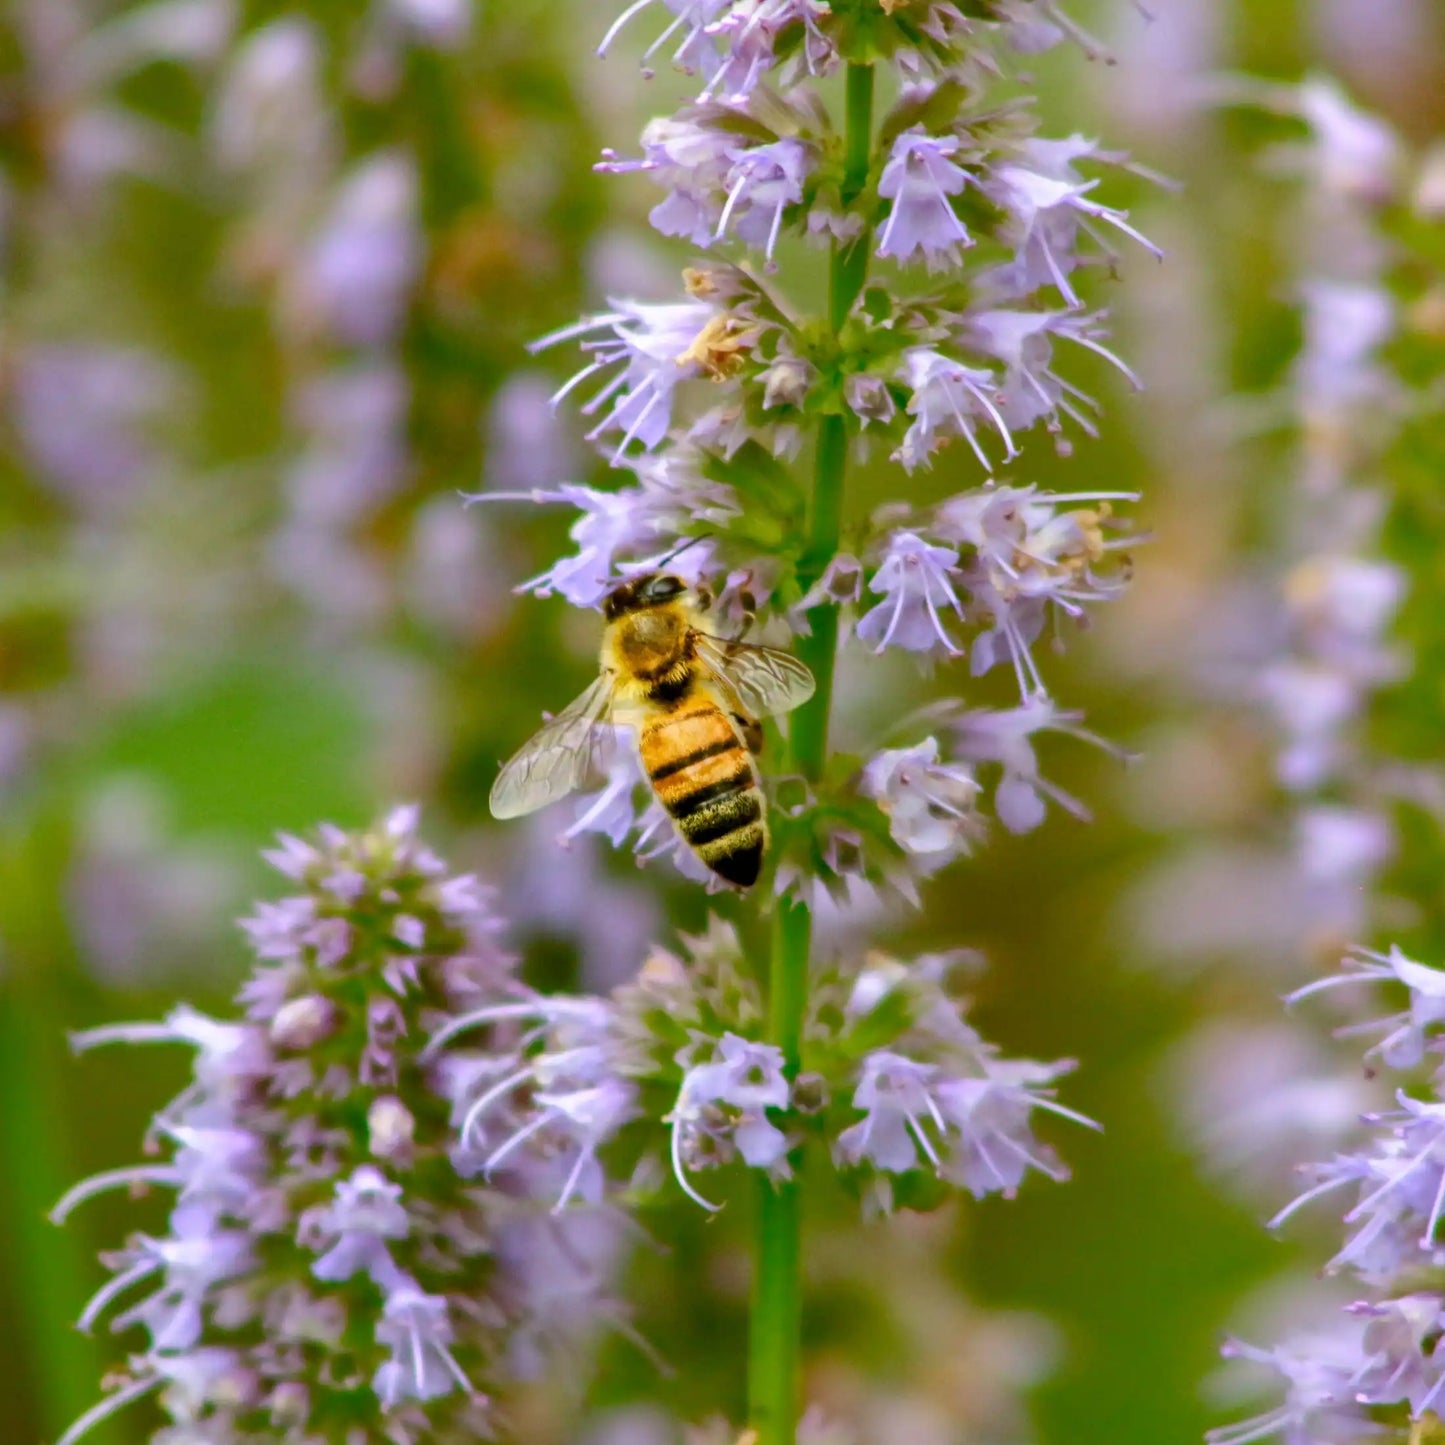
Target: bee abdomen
[(710, 790), (725, 829), (719, 816)]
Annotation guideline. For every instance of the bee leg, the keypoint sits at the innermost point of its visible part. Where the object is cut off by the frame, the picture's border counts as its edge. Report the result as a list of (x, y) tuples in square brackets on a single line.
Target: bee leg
[(751, 731), (749, 604)]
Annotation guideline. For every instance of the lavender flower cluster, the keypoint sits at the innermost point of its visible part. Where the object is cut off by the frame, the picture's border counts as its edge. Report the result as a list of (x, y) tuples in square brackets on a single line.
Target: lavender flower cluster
[(987, 229), (394, 1178), (327, 1267), (893, 1081), (1378, 1367)]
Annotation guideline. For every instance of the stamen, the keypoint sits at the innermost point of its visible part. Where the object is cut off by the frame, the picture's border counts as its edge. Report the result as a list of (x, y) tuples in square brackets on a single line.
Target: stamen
[(516, 1140), (1306, 1198), (636, 8), (497, 1091), (136, 1033), (113, 1179), (675, 1149), (571, 385), (577, 328), (555, 1006), (112, 1290), (107, 1407), (583, 1155)]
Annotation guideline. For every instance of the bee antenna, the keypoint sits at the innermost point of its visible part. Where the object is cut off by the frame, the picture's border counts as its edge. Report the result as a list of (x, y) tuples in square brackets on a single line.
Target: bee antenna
[(682, 547)]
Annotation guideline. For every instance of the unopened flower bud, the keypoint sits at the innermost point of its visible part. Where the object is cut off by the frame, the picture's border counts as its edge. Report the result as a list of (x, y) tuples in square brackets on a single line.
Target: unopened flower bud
[(842, 579), (290, 1405), (662, 969), (869, 397), (786, 382), (810, 1094), (302, 1023), (390, 1129)]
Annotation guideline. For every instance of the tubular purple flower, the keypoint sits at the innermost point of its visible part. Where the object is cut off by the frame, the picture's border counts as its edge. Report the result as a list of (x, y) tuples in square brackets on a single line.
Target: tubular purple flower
[(82, 414), (915, 581), (1030, 390), (1352, 155), (1338, 371), (919, 178), (967, 1116), (1403, 1046), (762, 183), (929, 804), (691, 161), (620, 531), (366, 1212), (1047, 203), (895, 1097), (648, 346), (720, 176), (995, 1149), (749, 33), (416, 1328), (948, 399), (1029, 555), (721, 1109), (355, 278), (1003, 736), (1322, 1403)]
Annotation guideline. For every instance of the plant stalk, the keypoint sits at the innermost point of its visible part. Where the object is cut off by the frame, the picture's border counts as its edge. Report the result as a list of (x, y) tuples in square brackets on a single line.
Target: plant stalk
[(775, 1322)]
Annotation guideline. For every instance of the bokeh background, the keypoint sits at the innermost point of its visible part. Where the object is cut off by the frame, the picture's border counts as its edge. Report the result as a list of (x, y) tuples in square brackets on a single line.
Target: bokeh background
[(267, 272)]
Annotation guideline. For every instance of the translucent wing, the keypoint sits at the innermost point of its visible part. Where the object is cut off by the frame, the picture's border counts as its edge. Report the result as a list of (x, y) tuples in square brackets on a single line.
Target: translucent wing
[(558, 759), (765, 681)]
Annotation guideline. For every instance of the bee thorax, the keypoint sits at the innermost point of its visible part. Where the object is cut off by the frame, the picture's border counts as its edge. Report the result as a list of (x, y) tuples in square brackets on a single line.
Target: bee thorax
[(653, 647)]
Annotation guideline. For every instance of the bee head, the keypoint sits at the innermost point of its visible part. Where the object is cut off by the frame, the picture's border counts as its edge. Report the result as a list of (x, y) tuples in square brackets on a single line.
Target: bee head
[(649, 589)]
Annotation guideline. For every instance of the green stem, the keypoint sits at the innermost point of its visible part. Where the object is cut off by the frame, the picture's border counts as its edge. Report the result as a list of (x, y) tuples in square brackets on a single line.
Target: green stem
[(808, 734), (773, 1347), (777, 1293), (850, 264)]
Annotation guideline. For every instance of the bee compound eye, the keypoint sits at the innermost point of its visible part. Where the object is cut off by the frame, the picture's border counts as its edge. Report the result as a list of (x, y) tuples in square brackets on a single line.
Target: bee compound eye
[(664, 589)]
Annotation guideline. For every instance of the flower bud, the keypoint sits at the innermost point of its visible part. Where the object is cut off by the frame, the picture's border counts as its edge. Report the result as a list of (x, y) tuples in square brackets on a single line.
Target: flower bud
[(390, 1129), (787, 381), (302, 1023)]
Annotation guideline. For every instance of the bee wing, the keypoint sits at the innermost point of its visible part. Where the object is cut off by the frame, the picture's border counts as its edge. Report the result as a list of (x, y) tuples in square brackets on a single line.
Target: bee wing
[(766, 681), (557, 759)]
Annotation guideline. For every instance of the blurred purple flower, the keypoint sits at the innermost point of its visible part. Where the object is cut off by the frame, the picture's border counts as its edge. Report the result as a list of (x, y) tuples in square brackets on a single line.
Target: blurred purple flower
[(355, 278), (87, 416)]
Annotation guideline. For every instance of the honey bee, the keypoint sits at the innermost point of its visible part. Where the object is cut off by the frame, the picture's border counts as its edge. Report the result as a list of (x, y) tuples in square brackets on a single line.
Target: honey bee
[(693, 700)]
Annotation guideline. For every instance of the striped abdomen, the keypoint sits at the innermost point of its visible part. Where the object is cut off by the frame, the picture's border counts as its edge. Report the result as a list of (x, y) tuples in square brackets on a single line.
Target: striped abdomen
[(703, 775)]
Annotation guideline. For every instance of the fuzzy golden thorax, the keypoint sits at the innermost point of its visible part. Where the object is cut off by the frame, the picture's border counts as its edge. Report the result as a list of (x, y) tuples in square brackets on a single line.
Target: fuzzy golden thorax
[(649, 646)]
